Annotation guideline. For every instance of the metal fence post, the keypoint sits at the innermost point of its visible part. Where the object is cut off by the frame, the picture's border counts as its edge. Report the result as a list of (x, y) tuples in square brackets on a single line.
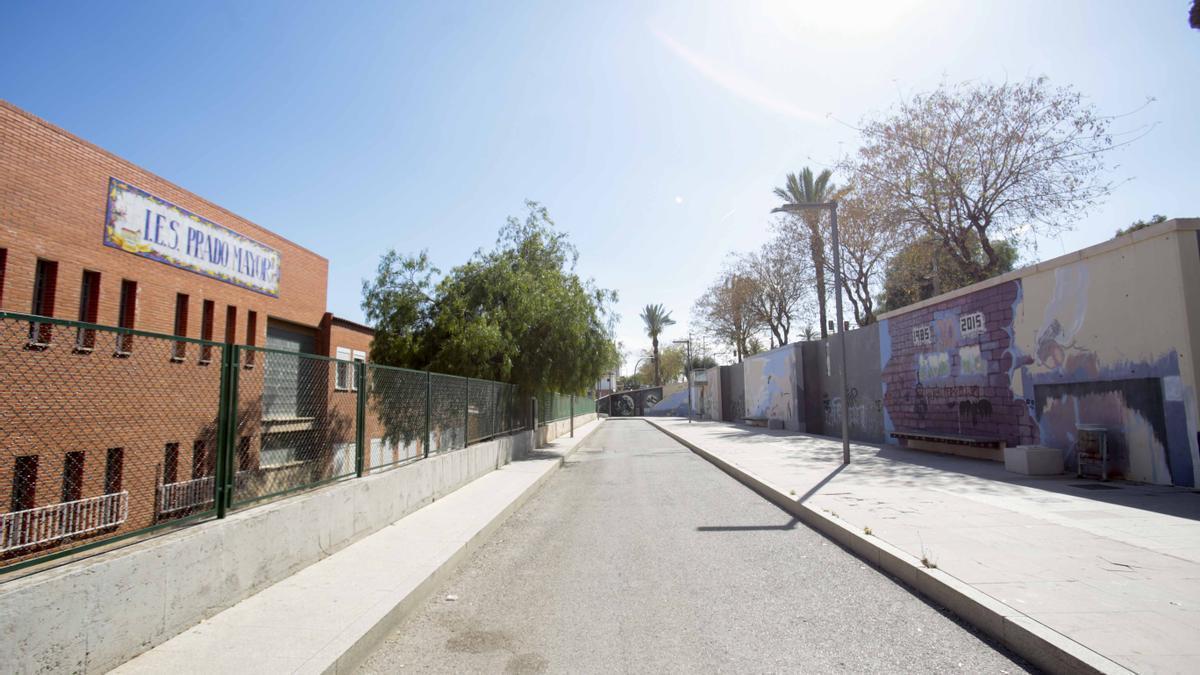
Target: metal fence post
[(226, 429), (495, 406), (428, 412), (572, 415), (467, 414), (360, 418)]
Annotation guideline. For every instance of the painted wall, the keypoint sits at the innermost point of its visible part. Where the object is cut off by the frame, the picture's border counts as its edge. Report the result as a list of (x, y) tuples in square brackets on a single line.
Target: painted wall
[(733, 401), (823, 396), (1098, 337), (709, 394), (774, 386)]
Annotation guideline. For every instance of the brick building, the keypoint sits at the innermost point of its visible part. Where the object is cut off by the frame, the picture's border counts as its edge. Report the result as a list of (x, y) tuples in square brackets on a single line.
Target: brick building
[(121, 426)]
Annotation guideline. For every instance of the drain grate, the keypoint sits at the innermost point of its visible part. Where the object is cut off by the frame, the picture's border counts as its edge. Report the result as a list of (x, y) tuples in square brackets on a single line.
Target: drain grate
[(1095, 486)]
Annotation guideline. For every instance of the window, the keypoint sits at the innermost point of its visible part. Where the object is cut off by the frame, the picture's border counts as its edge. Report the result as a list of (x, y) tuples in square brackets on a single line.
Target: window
[(3, 265), (200, 461), (24, 484), (344, 377), (245, 459), (114, 470), (359, 357), (45, 283), (72, 489), (230, 325), (126, 316), (171, 463), (89, 307), (181, 323), (251, 336), (206, 330)]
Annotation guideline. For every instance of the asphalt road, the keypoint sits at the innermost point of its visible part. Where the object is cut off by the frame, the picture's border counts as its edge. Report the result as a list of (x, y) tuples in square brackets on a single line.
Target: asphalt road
[(639, 556)]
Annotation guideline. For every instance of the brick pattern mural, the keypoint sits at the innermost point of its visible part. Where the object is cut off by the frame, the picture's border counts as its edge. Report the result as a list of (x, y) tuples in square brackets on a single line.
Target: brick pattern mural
[(949, 368)]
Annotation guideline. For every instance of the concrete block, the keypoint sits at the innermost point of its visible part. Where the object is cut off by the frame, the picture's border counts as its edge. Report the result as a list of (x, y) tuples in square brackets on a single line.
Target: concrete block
[(775, 423), (1033, 460)]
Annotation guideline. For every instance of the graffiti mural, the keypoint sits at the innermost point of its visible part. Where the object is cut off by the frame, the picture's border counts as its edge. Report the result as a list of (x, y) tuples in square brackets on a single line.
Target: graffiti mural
[(1033, 359), (770, 383), (632, 403), (1076, 375), (945, 368)]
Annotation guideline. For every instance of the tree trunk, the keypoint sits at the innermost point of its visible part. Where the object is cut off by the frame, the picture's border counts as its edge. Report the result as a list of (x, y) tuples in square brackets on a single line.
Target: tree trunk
[(817, 245), (657, 377)]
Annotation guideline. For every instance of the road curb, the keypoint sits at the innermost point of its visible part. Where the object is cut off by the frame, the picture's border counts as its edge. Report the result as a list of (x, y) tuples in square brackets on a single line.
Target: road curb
[(353, 656), (1045, 648)]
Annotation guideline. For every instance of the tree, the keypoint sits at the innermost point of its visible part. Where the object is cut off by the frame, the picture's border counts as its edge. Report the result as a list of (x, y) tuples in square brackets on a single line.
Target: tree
[(703, 362), (656, 319), (976, 163), (1143, 224), (518, 313), (870, 233), (924, 268), (1194, 15), (726, 311), (781, 284), (802, 188), (670, 366), (809, 333), (399, 304)]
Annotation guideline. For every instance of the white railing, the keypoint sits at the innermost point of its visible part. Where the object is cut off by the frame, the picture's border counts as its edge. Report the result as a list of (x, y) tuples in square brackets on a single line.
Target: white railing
[(59, 521), (186, 495)]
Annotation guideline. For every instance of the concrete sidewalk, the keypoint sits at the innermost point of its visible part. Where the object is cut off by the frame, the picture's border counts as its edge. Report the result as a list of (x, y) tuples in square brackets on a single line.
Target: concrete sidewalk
[(1068, 575), (329, 616)]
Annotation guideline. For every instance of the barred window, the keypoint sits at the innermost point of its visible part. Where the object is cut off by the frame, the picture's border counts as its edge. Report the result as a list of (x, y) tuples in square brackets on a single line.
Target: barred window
[(24, 483), (89, 308), (344, 375), (171, 463), (114, 470), (45, 284), (72, 489)]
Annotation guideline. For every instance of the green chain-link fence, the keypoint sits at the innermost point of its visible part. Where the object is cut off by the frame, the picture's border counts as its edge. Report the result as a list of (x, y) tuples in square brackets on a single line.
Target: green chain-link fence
[(108, 433)]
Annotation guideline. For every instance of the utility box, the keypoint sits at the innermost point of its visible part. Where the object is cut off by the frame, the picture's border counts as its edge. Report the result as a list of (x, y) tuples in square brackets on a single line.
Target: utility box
[(1033, 460)]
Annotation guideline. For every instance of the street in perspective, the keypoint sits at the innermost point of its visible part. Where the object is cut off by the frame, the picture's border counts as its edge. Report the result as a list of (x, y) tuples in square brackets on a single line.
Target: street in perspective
[(673, 337)]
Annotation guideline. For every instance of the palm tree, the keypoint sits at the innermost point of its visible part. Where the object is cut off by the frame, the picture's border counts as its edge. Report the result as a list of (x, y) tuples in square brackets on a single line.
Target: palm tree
[(656, 319), (804, 189)]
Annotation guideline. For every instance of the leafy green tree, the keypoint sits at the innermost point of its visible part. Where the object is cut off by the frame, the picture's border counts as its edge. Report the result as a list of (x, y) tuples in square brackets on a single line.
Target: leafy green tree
[(703, 362), (656, 319), (670, 365), (925, 268), (399, 304), (1142, 224), (803, 188), (518, 313)]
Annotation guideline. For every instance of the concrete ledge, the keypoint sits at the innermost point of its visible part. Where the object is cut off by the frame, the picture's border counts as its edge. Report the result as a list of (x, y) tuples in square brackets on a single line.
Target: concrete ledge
[(329, 617), (93, 614), (1032, 640)]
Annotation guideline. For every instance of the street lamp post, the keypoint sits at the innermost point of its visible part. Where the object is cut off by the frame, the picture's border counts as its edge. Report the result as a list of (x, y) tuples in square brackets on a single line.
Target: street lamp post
[(688, 369), (831, 206)]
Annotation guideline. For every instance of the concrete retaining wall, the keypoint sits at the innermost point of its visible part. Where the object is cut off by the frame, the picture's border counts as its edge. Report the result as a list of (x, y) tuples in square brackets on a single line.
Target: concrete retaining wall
[(94, 614), (557, 429)]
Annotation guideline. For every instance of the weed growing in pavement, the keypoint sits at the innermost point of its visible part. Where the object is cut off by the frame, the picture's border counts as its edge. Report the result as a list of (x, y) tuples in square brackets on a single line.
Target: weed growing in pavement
[(928, 563), (867, 530)]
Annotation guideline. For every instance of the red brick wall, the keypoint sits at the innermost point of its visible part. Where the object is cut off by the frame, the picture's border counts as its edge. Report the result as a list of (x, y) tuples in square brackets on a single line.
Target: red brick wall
[(53, 197)]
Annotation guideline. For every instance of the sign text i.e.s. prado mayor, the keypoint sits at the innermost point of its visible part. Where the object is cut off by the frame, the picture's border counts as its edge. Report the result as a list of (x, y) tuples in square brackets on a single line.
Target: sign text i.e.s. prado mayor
[(150, 227)]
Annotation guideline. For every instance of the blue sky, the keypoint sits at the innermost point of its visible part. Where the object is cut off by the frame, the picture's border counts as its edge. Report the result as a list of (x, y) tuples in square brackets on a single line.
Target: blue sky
[(654, 132)]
